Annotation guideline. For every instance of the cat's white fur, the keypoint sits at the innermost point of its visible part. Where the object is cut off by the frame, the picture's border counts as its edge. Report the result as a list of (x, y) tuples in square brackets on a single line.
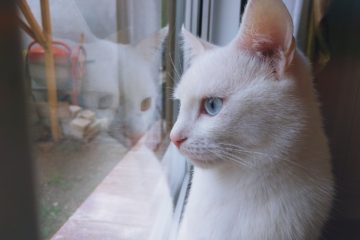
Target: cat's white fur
[(262, 165)]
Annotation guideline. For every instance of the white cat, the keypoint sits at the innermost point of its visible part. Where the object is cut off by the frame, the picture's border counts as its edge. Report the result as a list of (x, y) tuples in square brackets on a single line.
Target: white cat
[(250, 123), (139, 104)]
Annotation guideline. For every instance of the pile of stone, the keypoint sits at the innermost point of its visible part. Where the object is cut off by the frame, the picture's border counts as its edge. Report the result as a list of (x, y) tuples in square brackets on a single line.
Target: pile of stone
[(84, 125), (74, 121)]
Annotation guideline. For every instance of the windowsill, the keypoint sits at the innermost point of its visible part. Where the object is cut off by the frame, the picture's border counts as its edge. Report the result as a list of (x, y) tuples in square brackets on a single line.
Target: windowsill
[(132, 202)]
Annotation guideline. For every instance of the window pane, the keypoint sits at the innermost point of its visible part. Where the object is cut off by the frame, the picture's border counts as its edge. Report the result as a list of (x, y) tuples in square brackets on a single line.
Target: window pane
[(99, 132)]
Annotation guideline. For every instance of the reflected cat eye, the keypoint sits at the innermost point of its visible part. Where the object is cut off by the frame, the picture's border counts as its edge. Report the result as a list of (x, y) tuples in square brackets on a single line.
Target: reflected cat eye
[(145, 104), (212, 105)]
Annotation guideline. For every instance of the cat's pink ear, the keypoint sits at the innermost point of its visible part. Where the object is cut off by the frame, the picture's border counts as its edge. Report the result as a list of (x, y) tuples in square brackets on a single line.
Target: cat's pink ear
[(267, 29), (193, 46)]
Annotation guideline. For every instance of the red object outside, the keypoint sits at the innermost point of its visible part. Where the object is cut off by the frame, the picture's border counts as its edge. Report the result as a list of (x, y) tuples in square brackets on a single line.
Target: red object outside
[(63, 55), (61, 52)]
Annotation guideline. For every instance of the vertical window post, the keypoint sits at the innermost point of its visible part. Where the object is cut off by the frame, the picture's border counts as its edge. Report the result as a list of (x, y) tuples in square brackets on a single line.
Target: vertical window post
[(17, 201)]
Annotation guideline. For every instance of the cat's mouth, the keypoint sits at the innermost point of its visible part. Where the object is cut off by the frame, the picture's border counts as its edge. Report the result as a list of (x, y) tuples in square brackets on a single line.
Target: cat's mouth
[(201, 160), (199, 153)]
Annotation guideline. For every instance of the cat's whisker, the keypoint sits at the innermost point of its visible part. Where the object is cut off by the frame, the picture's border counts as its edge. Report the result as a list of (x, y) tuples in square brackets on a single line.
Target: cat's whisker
[(170, 76), (178, 75), (294, 164), (242, 151), (228, 156), (181, 62), (237, 148), (237, 163), (231, 145), (172, 91), (234, 159), (174, 67), (237, 158)]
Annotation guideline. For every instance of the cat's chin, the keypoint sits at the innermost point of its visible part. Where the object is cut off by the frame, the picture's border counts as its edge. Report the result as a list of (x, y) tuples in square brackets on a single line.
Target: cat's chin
[(204, 164)]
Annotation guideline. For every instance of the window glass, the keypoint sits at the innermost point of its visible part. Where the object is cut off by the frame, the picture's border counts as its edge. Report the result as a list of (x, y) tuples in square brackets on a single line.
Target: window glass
[(97, 118)]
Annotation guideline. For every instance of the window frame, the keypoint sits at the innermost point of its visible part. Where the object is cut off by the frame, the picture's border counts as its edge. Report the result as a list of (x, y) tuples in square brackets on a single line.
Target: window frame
[(18, 218)]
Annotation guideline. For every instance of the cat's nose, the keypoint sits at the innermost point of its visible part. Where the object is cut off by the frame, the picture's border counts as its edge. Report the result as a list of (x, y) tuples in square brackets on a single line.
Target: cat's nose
[(177, 141)]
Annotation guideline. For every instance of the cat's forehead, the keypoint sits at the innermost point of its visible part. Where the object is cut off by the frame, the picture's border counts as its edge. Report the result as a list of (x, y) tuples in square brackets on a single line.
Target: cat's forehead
[(218, 73)]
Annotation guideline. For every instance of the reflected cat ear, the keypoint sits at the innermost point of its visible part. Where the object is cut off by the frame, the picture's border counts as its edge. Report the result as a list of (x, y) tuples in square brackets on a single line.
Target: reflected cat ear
[(151, 46), (193, 46), (267, 30)]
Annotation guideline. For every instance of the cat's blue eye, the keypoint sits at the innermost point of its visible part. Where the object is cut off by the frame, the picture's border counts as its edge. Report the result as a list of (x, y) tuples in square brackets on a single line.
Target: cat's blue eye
[(213, 105)]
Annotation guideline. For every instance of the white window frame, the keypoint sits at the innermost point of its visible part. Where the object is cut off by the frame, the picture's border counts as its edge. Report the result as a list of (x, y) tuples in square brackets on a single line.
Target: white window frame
[(214, 15)]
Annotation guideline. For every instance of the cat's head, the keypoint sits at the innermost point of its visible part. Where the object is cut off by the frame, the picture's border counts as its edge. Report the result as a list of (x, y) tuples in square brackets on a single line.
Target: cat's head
[(139, 86), (235, 101)]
